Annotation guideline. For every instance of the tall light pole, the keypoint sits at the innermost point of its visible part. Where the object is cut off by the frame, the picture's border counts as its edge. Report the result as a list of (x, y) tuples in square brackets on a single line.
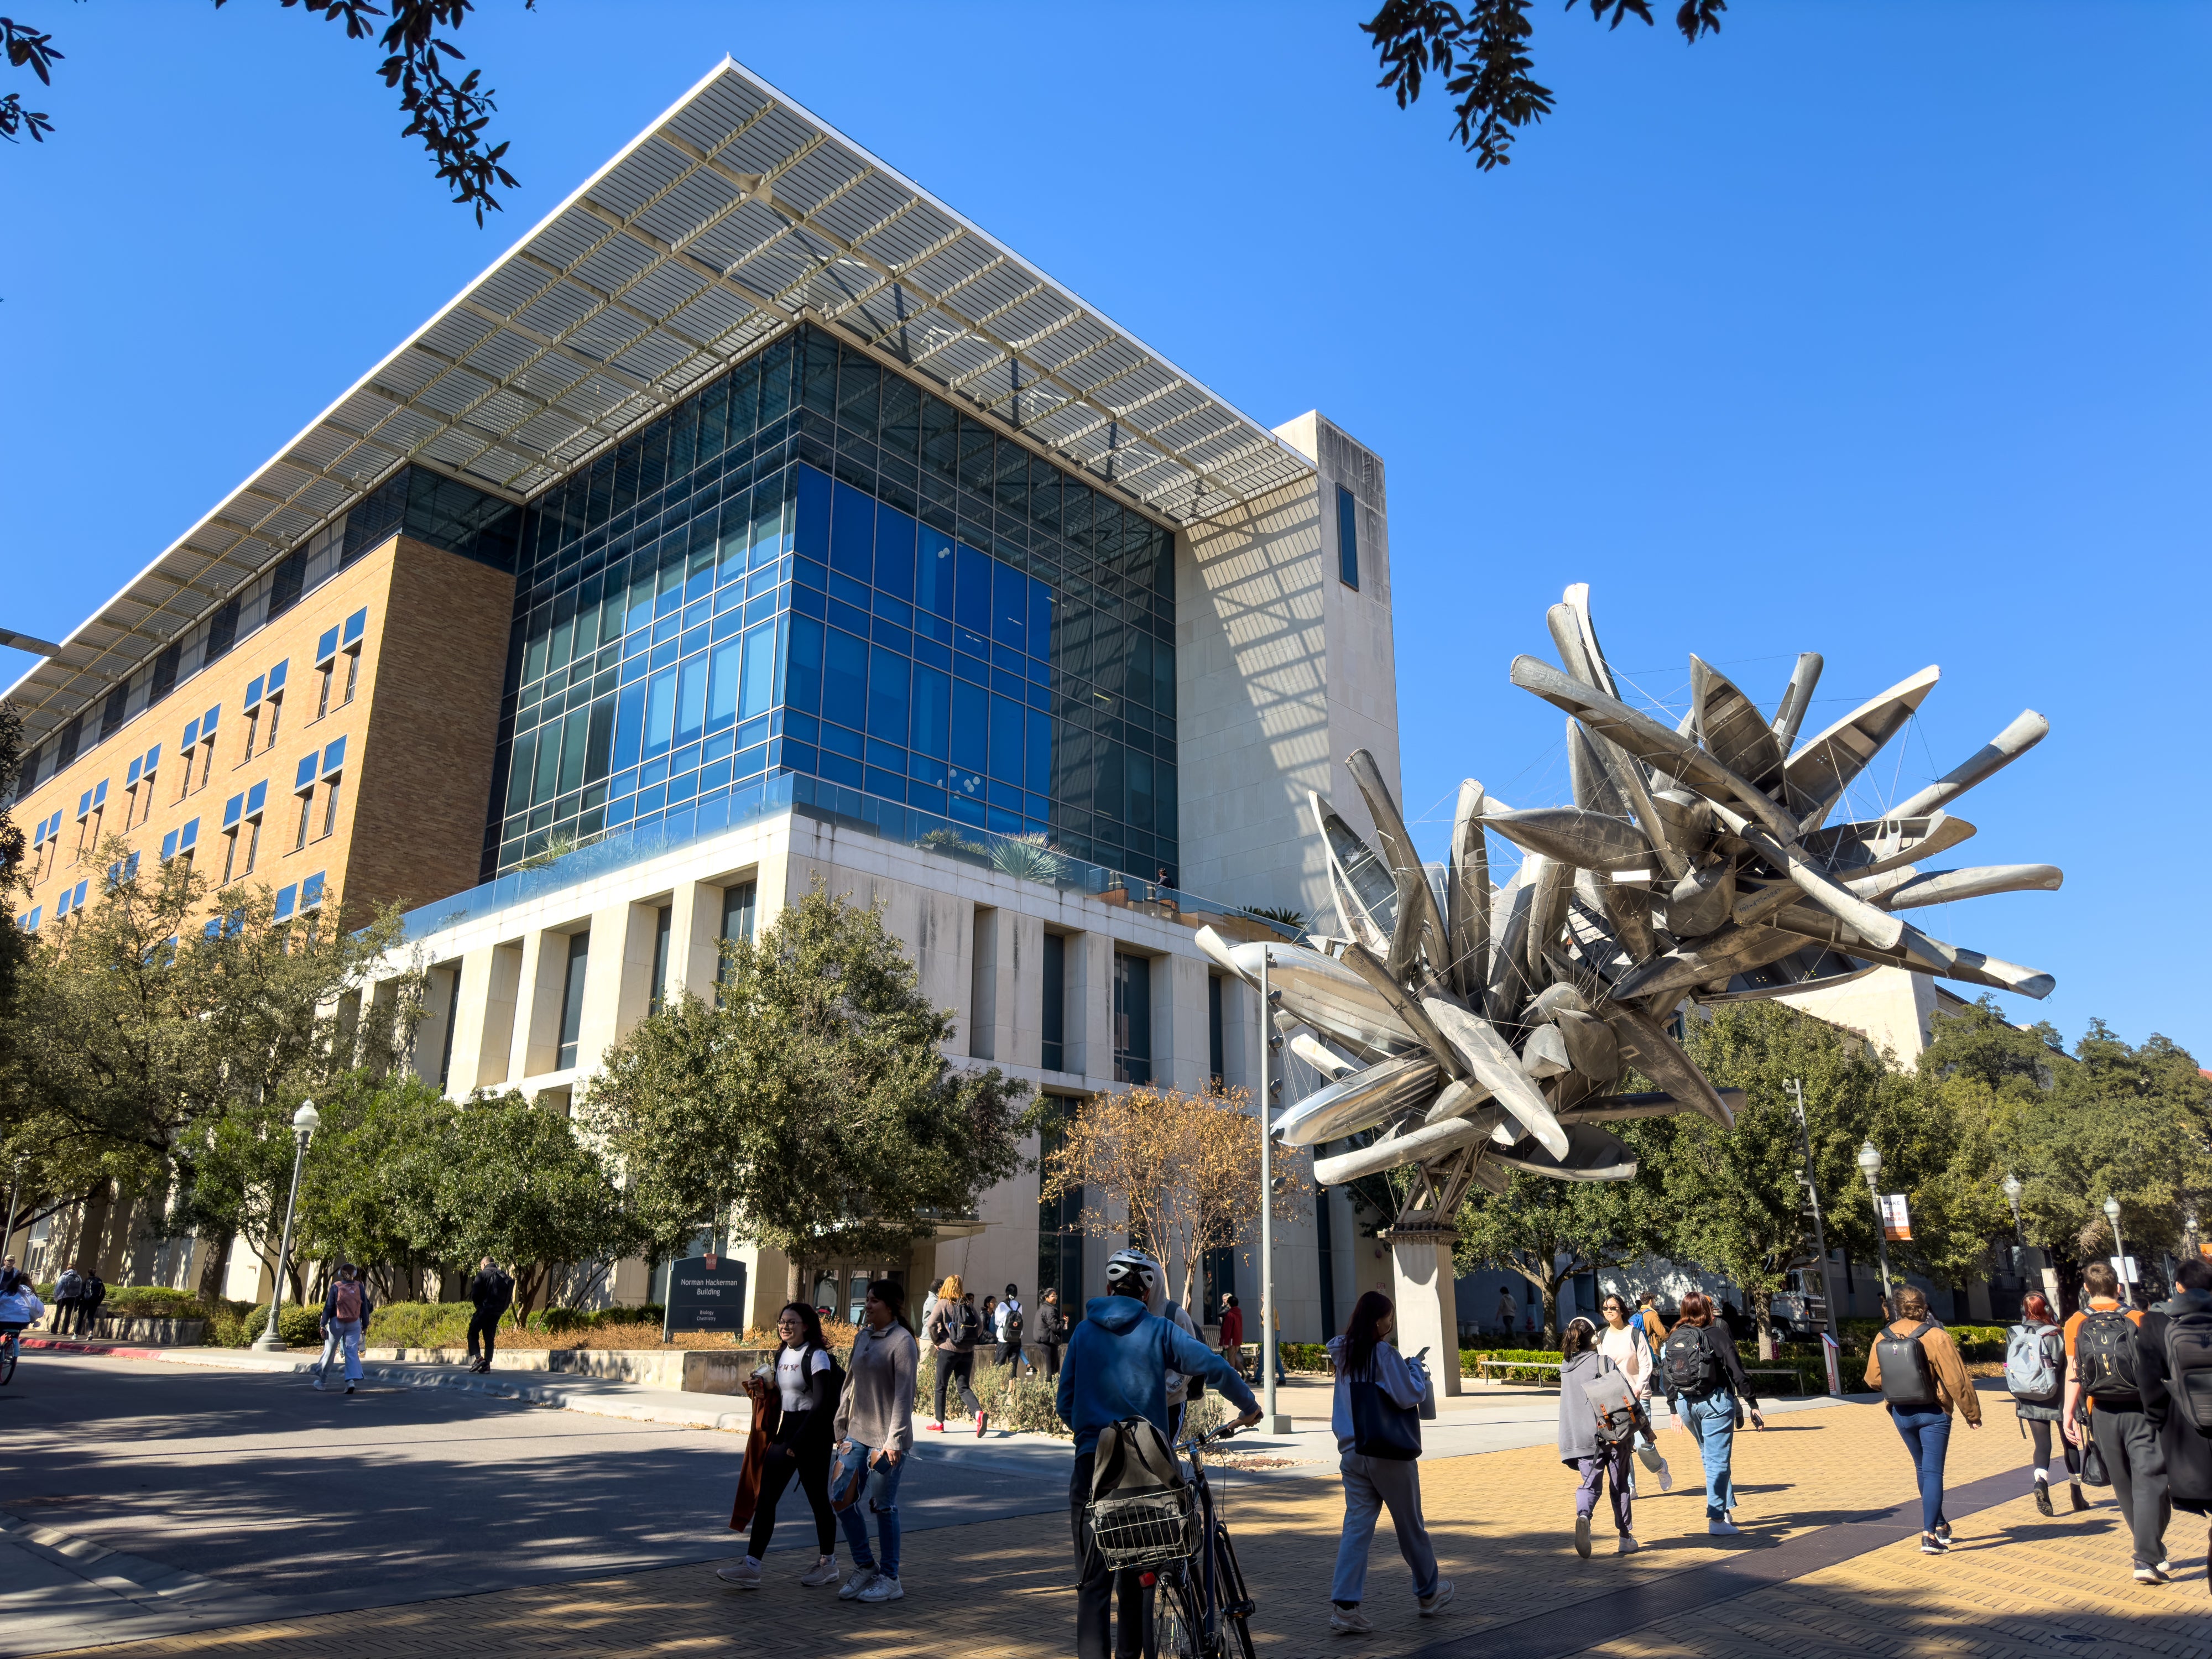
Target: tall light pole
[(15, 1188), (1273, 1421), (1820, 1231), (2119, 1252), (1870, 1166), (2189, 1236), (304, 1122)]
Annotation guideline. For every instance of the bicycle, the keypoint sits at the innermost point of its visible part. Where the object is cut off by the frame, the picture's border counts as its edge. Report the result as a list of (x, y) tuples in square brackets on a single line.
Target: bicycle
[(10, 1350), (1177, 1542)]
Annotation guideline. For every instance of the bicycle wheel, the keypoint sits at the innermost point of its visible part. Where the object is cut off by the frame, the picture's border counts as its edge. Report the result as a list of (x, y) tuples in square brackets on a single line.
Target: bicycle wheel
[(1234, 1602), (1178, 1631), (7, 1350)]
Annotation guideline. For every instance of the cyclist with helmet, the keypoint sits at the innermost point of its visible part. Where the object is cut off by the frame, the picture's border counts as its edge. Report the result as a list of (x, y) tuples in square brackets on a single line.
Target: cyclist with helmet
[(1117, 1366)]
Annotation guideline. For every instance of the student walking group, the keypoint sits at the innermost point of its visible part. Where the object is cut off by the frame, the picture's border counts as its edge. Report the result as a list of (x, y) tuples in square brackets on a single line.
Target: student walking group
[(2120, 1397)]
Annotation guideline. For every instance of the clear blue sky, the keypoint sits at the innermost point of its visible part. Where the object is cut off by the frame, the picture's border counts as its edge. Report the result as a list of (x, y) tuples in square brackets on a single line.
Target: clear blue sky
[(1873, 327)]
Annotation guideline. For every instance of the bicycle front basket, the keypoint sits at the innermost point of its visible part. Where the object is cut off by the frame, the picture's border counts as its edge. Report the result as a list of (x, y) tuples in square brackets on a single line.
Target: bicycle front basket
[(1146, 1530)]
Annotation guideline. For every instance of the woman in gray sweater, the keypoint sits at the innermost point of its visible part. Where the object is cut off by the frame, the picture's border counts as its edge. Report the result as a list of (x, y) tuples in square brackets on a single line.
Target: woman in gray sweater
[(1582, 1448), (875, 1423)]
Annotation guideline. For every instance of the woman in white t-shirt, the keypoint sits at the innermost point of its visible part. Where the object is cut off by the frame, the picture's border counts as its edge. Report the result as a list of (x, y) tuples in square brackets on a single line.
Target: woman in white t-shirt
[(805, 1379), (1622, 1342)]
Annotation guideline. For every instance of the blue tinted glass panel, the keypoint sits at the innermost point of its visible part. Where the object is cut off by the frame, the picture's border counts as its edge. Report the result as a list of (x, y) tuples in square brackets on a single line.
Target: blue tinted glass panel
[(691, 699), (971, 727), (629, 728), (813, 530), (1037, 768), (760, 661), (934, 583), (971, 603), (1010, 606), (1040, 640), (845, 679), (255, 797), (722, 688), (334, 756), (852, 534), (932, 711), (356, 625), (895, 548), (803, 669), (1008, 744), (660, 713), (889, 678)]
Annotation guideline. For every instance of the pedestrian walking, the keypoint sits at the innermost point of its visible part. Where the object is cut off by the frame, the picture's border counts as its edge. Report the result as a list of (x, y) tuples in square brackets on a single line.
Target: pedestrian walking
[(68, 1287), (1052, 1330), (2173, 1354), (95, 1292), (1915, 1366), (807, 1391), (492, 1293), (1509, 1314), (2035, 1375), (2103, 1384), (952, 1333), (990, 1314), (1705, 1387), (1621, 1340), (1650, 1321), (1598, 1415), (875, 1433), (347, 1307), (929, 1301), (1118, 1361), (1180, 1383), (1008, 1330), (1376, 1418), (1232, 1332)]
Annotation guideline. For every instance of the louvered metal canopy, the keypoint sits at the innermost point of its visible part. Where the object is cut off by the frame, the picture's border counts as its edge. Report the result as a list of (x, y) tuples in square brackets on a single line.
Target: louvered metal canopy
[(731, 216)]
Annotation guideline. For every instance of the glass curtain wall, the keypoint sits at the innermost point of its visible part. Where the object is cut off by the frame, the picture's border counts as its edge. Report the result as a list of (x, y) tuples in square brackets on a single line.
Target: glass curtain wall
[(815, 568)]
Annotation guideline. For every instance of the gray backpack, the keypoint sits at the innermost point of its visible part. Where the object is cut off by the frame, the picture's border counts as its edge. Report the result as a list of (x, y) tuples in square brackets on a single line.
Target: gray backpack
[(2033, 1371)]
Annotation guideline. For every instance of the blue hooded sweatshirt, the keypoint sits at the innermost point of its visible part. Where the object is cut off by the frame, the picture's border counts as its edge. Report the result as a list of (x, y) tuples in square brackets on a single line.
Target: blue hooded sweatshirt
[(1116, 1366)]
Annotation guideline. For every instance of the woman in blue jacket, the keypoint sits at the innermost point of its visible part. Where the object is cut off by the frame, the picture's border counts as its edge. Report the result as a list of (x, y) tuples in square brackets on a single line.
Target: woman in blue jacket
[(1378, 1420)]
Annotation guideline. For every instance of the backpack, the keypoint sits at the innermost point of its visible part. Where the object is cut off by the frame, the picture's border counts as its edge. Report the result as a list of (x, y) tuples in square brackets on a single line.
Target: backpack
[(1014, 1324), (2105, 1354), (967, 1326), (1907, 1378), (2189, 1365), (1614, 1402), (2033, 1373), (1134, 1459), (1688, 1363), (345, 1301)]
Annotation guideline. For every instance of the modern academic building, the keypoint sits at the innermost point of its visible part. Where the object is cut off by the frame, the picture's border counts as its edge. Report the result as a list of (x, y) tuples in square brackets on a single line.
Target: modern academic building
[(758, 520)]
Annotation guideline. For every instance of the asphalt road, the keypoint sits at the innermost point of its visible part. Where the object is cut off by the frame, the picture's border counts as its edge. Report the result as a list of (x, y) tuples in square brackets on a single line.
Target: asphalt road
[(289, 1501)]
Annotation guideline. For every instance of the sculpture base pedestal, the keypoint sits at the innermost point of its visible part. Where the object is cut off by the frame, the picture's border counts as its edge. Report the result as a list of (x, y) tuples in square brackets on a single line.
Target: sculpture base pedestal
[(1428, 1308)]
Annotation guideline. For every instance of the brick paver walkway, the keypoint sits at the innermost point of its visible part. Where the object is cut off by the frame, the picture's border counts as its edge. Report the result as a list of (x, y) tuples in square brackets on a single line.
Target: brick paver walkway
[(2017, 1584)]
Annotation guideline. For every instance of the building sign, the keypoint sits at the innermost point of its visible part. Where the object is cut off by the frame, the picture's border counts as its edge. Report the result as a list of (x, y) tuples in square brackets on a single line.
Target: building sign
[(2125, 1271), (1895, 1222), (705, 1293)]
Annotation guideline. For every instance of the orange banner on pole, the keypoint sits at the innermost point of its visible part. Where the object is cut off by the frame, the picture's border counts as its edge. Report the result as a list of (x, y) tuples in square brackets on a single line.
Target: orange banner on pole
[(1896, 1222)]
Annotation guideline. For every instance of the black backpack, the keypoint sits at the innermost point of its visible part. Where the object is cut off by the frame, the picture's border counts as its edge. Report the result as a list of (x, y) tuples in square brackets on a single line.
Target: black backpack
[(1014, 1325), (967, 1326), (1688, 1362), (2189, 1365), (1907, 1378), (2105, 1354)]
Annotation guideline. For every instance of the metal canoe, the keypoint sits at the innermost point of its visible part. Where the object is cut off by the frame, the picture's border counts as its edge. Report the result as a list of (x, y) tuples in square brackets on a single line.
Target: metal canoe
[(1944, 886), (1491, 1062), (1815, 777), (1419, 924), (1576, 836), (1730, 950), (1413, 1147), (2027, 729), (1655, 1102), (1592, 1154), (1644, 1044), (1850, 852), (1796, 697), (1467, 904), (1366, 892), (1731, 728), (1359, 1101), (1329, 997)]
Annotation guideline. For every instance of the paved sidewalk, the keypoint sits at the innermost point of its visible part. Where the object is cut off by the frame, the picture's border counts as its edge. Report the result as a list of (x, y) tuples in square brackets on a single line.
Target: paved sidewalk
[(1828, 1565)]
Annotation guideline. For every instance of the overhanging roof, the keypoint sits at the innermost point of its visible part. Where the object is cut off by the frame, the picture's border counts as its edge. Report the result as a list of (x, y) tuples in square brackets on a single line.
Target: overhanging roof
[(730, 216)]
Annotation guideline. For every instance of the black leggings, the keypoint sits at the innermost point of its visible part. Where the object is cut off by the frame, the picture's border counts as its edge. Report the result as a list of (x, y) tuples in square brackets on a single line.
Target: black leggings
[(957, 1368), (2040, 1432), (811, 1463)]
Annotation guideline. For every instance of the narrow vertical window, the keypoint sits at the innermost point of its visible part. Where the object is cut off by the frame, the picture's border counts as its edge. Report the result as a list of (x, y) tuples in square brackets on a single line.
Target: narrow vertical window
[(1347, 539), (323, 695), (664, 919), (1215, 1067), (1054, 1058), (453, 1018), (275, 707), (739, 903), (331, 806), (1133, 1019), (229, 855), (252, 845), (306, 811), (572, 998), (207, 764), (252, 724), (353, 673)]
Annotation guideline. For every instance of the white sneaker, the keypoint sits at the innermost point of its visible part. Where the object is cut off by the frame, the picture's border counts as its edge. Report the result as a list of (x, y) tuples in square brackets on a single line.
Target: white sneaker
[(860, 1579), (885, 1589), (744, 1572), (1439, 1601), (825, 1572), (1628, 1546), (1349, 1621), (1722, 1528), (1581, 1536)]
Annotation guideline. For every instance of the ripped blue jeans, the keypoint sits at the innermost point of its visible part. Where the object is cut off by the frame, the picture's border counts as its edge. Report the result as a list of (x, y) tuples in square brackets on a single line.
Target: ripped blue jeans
[(882, 1503)]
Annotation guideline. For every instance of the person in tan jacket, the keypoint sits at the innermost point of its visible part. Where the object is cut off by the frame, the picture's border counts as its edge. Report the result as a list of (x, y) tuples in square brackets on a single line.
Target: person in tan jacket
[(1921, 1396)]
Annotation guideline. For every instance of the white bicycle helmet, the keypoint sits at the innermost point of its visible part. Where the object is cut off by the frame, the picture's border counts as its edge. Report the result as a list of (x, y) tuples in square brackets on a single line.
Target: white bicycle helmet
[(1132, 1273)]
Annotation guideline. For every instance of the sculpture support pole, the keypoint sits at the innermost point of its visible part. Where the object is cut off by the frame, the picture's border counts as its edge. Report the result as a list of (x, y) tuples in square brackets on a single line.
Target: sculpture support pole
[(1428, 1306)]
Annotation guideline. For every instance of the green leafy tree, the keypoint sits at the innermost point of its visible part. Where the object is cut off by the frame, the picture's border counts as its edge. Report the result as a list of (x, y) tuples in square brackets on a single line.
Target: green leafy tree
[(1548, 1232), (812, 1102), (1480, 52)]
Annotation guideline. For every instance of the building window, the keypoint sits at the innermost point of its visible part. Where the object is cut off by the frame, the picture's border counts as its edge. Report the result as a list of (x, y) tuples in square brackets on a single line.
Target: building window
[(1054, 1058), (229, 854), (737, 906), (453, 1018), (1133, 1019), (1219, 1268), (330, 805), (1060, 1220), (306, 811), (353, 673), (1325, 1231), (663, 920), (253, 724), (572, 998), (1216, 1068), (323, 696), (1347, 539)]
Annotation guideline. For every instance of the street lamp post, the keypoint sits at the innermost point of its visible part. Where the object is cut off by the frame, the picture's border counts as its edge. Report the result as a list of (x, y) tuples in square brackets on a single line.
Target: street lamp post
[(1272, 1421), (2119, 1251), (2189, 1236), (2012, 1190), (304, 1122), (1870, 1166), (15, 1188)]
